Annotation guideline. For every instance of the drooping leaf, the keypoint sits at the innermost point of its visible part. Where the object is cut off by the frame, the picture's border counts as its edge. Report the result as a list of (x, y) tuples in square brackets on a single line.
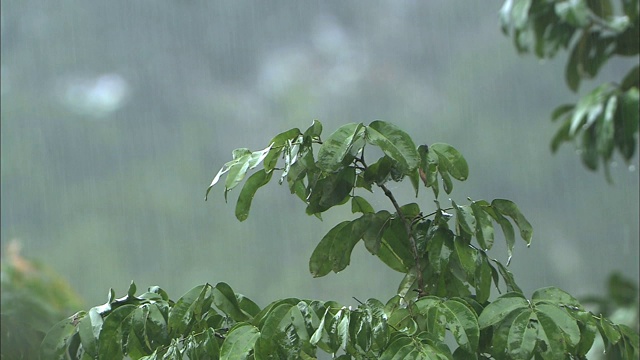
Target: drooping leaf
[(510, 209), (465, 218), (338, 145), (253, 183), (462, 322), (508, 278), (551, 336), (376, 224), (395, 143), (484, 227), (523, 335)]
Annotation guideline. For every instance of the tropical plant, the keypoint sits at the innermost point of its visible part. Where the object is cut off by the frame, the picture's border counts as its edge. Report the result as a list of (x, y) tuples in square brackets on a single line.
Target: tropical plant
[(443, 308), (594, 32)]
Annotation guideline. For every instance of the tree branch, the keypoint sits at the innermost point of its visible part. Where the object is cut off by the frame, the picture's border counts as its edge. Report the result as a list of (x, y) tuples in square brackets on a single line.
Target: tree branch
[(414, 247)]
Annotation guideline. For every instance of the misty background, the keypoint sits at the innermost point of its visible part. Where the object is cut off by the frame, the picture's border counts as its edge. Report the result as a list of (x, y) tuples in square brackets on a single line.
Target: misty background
[(116, 116)]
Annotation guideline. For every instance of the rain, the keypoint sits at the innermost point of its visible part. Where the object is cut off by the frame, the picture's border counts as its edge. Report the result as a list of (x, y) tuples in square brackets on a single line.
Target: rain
[(116, 116)]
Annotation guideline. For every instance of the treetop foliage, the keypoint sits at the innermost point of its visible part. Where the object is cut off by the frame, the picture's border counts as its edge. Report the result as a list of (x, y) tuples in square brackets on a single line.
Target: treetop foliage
[(443, 254)]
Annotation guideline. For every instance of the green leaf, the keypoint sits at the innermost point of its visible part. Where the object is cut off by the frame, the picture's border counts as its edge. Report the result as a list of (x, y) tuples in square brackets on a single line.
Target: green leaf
[(253, 183), (465, 218), (359, 204), (483, 278), (484, 227), (89, 329), (439, 249), (556, 296), (319, 264), (563, 321), (507, 229), (313, 132), (55, 343), (551, 337), (511, 210), (331, 190), (608, 331), (110, 340), (182, 313), (508, 278), (500, 308), (462, 322), (239, 342), (395, 143), (376, 224), (626, 122), (455, 163), (466, 255), (339, 144), (277, 146), (225, 299), (523, 336), (395, 249)]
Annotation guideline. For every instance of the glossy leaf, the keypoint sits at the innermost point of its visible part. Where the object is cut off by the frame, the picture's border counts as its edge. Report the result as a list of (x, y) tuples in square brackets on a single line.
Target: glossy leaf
[(555, 296), (454, 161), (523, 335), (500, 308), (395, 143), (465, 218), (508, 278), (462, 322), (225, 299), (239, 342), (278, 144), (563, 321), (551, 336), (110, 340), (376, 224), (54, 345), (338, 145), (185, 308)]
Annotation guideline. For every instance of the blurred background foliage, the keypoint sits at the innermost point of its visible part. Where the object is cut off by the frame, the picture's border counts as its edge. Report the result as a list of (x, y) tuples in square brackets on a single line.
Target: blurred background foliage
[(116, 115)]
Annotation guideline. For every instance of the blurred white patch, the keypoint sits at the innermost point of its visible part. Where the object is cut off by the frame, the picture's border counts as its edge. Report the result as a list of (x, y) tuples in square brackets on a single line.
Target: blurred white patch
[(97, 97)]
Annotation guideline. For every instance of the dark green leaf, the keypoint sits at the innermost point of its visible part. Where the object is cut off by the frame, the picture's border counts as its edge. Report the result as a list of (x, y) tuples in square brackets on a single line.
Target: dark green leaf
[(395, 143), (339, 145), (332, 190), (314, 131), (608, 331), (483, 278), (89, 328), (375, 229), (253, 183), (626, 122), (507, 229), (439, 249)]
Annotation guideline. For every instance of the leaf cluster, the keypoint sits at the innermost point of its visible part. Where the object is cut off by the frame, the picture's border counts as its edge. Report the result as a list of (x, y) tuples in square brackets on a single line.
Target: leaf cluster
[(607, 117), (444, 255)]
